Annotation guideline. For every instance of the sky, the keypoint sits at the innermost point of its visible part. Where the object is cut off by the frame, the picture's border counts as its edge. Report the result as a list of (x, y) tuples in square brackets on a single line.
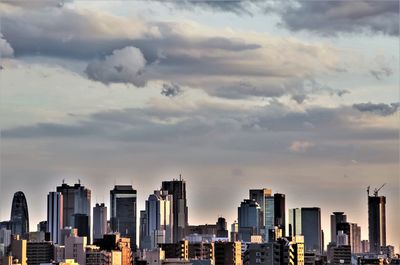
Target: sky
[(298, 96)]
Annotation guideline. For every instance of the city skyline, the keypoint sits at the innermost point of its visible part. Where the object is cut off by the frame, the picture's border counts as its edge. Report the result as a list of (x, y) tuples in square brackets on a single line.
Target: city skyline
[(300, 208), (301, 97)]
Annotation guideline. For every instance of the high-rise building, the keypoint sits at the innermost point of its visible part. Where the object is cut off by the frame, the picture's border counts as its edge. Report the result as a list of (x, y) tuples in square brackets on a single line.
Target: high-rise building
[(144, 240), (19, 215), (307, 222), (99, 221), (260, 196), (376, 222), (280, 212), (159, 222), (55, 216), (248, 220), (76, 207), (221, 228), (272, 210), (123, 203), (336, 217), (177, 188)]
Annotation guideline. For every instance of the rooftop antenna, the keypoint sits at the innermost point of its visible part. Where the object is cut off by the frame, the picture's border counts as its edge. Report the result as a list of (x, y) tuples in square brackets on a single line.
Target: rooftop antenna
[(63, 181), (368, 190), (180, 177), (79, 181), (377, 190)]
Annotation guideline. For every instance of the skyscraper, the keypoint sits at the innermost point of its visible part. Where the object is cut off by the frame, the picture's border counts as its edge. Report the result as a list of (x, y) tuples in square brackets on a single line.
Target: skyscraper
[(307, 222), (248, 219), (222, 230), (123, 203), (336, 217), (376, 222), (76, 207), (272, 210), (280, 212), (19, 215), (99, 221), (260, 196), (159, 222), (55, 216), (177, 188)]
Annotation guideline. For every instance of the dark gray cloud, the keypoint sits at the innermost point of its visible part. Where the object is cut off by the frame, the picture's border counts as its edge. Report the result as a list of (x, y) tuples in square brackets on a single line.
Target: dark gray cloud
[(379, 109), (171, 90), (332, 17)]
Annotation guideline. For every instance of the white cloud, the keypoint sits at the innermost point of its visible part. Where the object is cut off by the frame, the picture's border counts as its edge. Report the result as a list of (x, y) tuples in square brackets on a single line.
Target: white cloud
[(300, 146), (5, 48), (122, 66)]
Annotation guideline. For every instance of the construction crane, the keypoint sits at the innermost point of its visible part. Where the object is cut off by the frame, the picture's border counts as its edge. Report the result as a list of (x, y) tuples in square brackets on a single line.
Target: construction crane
[(377, 190)]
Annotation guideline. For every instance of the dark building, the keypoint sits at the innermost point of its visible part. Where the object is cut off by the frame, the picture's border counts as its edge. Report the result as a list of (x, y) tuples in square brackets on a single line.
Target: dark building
[(336, 218), (143, 239), (123, 203), (42, 226), (177, 188), (228, 253), (280, 212), (265, 253), (221, 228), (76, 204), (307, 222), (114, 241), (82, 224), (248, 220), (5, 225), (201, 251), (39, 252), (179, 250), (206, 229), (19, 215), (342, 255), (376, 222)]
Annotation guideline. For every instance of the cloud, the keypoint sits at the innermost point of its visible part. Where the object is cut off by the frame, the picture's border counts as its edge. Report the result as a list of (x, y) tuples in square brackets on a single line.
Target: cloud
[(122, 66), (378, 109), (224, 63), (300, 146), (383, 71), (171, 90), (5, 48), (332, 17)]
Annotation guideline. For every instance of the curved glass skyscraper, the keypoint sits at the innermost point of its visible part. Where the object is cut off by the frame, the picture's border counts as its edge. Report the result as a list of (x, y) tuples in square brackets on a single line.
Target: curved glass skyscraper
[(19, 215)]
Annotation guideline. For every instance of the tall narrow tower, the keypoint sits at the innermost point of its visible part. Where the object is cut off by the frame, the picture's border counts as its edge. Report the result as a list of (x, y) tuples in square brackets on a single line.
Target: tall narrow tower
[(19, 215), (177, 188), (123, 203), (55, 216), (376, 221)]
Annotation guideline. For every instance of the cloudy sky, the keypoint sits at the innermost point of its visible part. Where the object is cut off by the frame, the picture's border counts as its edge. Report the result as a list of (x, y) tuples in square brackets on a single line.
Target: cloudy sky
[(300, 97)]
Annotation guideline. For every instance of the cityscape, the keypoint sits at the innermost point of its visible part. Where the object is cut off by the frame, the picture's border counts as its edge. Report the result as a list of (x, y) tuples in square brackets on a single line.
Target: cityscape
[(265, 232), (199, 132)]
